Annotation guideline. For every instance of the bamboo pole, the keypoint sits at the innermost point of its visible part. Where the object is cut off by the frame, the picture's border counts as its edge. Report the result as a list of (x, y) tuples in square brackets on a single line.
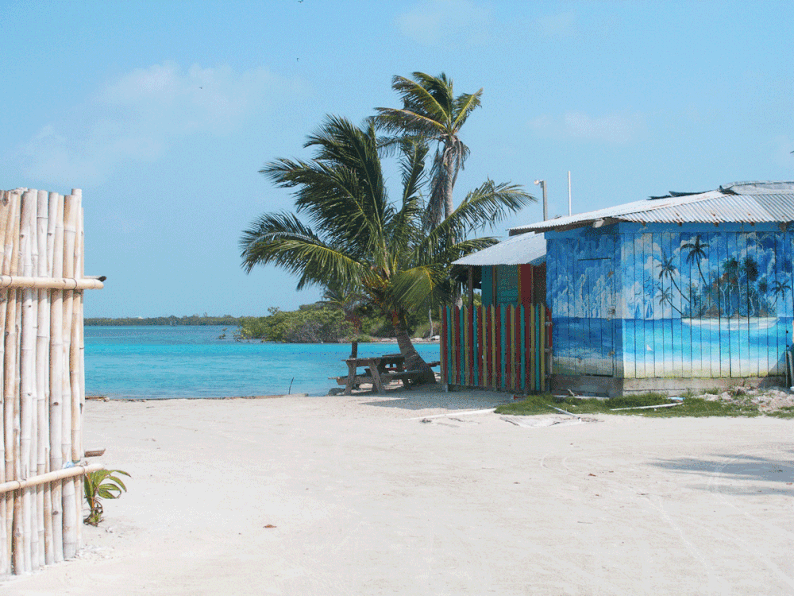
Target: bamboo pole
[(75, 363), (5, 545), (55, 250), (11, 410), (19, 281), (9, 253), (42, 390), (8, 368), (74, 471), (27, 363), (70, 211), (47, 238)]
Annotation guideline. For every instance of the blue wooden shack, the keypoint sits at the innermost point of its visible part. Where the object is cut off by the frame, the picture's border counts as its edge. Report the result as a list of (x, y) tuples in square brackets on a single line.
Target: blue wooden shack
[(682, 291)]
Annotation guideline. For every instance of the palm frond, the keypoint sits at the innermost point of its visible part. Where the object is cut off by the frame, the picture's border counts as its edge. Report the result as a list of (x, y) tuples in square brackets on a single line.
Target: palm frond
[(486, 206), (465, 104), (410, 288), (397, 120), (342, 189), (281, 239), (425, 94)]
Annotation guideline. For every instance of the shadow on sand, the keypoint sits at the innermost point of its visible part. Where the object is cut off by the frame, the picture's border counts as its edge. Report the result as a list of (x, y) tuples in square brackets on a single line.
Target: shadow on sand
[(741, 474), (433, 396)]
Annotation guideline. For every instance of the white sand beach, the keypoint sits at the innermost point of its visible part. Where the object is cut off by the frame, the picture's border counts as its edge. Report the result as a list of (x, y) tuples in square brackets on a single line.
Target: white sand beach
[(430, 493)]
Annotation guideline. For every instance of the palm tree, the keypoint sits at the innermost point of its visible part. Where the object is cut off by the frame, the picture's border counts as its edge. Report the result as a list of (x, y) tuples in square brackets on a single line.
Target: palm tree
[(348, 301), (431, 111), (779, 289), (697, 253), (666, 297), (668, 270), (731, 276), (357, 239)]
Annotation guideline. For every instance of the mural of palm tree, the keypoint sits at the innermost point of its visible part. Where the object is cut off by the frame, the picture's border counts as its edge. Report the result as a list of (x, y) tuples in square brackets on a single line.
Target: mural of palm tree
[(697, 252), (780, 288), (668, 271), (749, 270), (666, 297), (731, 276)]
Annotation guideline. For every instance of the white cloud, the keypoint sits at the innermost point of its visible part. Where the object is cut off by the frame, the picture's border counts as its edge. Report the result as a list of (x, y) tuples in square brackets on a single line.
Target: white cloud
[(442, 22), (140, 114), (618, 129)]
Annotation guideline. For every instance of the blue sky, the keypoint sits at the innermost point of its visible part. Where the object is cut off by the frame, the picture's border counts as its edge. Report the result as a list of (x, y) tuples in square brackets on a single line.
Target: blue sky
[(163, 113)]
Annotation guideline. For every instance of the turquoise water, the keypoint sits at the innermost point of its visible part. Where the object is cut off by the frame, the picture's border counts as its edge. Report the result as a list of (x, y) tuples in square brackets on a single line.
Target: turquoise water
[(169, 362)]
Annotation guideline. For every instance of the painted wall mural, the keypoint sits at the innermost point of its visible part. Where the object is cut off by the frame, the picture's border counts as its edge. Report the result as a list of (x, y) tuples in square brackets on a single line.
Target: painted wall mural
[(671, 301)]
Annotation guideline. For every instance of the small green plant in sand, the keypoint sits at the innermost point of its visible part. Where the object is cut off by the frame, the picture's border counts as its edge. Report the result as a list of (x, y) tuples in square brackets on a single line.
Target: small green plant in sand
[(99, 485), (690, 406)]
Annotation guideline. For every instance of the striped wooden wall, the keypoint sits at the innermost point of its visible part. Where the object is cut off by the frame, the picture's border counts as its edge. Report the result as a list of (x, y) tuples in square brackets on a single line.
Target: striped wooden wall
[(497, 347)]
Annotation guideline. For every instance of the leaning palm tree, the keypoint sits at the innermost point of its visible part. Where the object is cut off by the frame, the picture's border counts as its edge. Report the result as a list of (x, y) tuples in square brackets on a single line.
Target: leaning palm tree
[(431, 111), (355, 238)]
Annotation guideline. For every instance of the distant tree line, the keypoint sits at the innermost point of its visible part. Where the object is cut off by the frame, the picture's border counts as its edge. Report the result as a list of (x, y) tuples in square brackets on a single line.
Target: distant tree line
[(322, 322), (225, 320)]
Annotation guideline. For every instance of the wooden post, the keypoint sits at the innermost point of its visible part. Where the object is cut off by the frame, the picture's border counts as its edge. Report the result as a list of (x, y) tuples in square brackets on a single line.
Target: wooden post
[(471, 286)]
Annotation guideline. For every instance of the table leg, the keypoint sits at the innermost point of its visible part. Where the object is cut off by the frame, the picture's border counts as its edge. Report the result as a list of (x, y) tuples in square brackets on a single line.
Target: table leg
[(377, 383), (351, 378)]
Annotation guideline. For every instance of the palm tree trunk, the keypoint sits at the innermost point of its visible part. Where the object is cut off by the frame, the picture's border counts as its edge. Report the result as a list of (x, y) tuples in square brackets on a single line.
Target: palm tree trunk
[(413, 361), (450, 184)]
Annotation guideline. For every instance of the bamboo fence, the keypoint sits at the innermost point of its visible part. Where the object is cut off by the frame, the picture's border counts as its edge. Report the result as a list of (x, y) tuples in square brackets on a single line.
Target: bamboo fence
[(41, 378)]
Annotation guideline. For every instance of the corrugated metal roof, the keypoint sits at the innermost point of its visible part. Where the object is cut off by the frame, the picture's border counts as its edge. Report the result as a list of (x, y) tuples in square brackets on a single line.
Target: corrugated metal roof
[(747, 202), (526, 249)]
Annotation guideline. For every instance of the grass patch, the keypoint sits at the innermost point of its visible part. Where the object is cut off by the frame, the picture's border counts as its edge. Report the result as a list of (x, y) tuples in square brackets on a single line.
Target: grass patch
[(782, 413), (544, 404)]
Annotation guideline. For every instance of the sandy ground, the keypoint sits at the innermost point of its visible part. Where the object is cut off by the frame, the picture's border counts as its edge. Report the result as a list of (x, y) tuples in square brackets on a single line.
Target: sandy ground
[(419, 493)]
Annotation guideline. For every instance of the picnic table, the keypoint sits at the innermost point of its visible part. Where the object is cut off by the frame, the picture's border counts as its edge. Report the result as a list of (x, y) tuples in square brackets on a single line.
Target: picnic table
[(378, 369)]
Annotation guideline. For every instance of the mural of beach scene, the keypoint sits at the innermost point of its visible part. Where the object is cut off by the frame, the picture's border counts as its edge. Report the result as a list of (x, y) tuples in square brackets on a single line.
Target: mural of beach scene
[(648, 302)]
